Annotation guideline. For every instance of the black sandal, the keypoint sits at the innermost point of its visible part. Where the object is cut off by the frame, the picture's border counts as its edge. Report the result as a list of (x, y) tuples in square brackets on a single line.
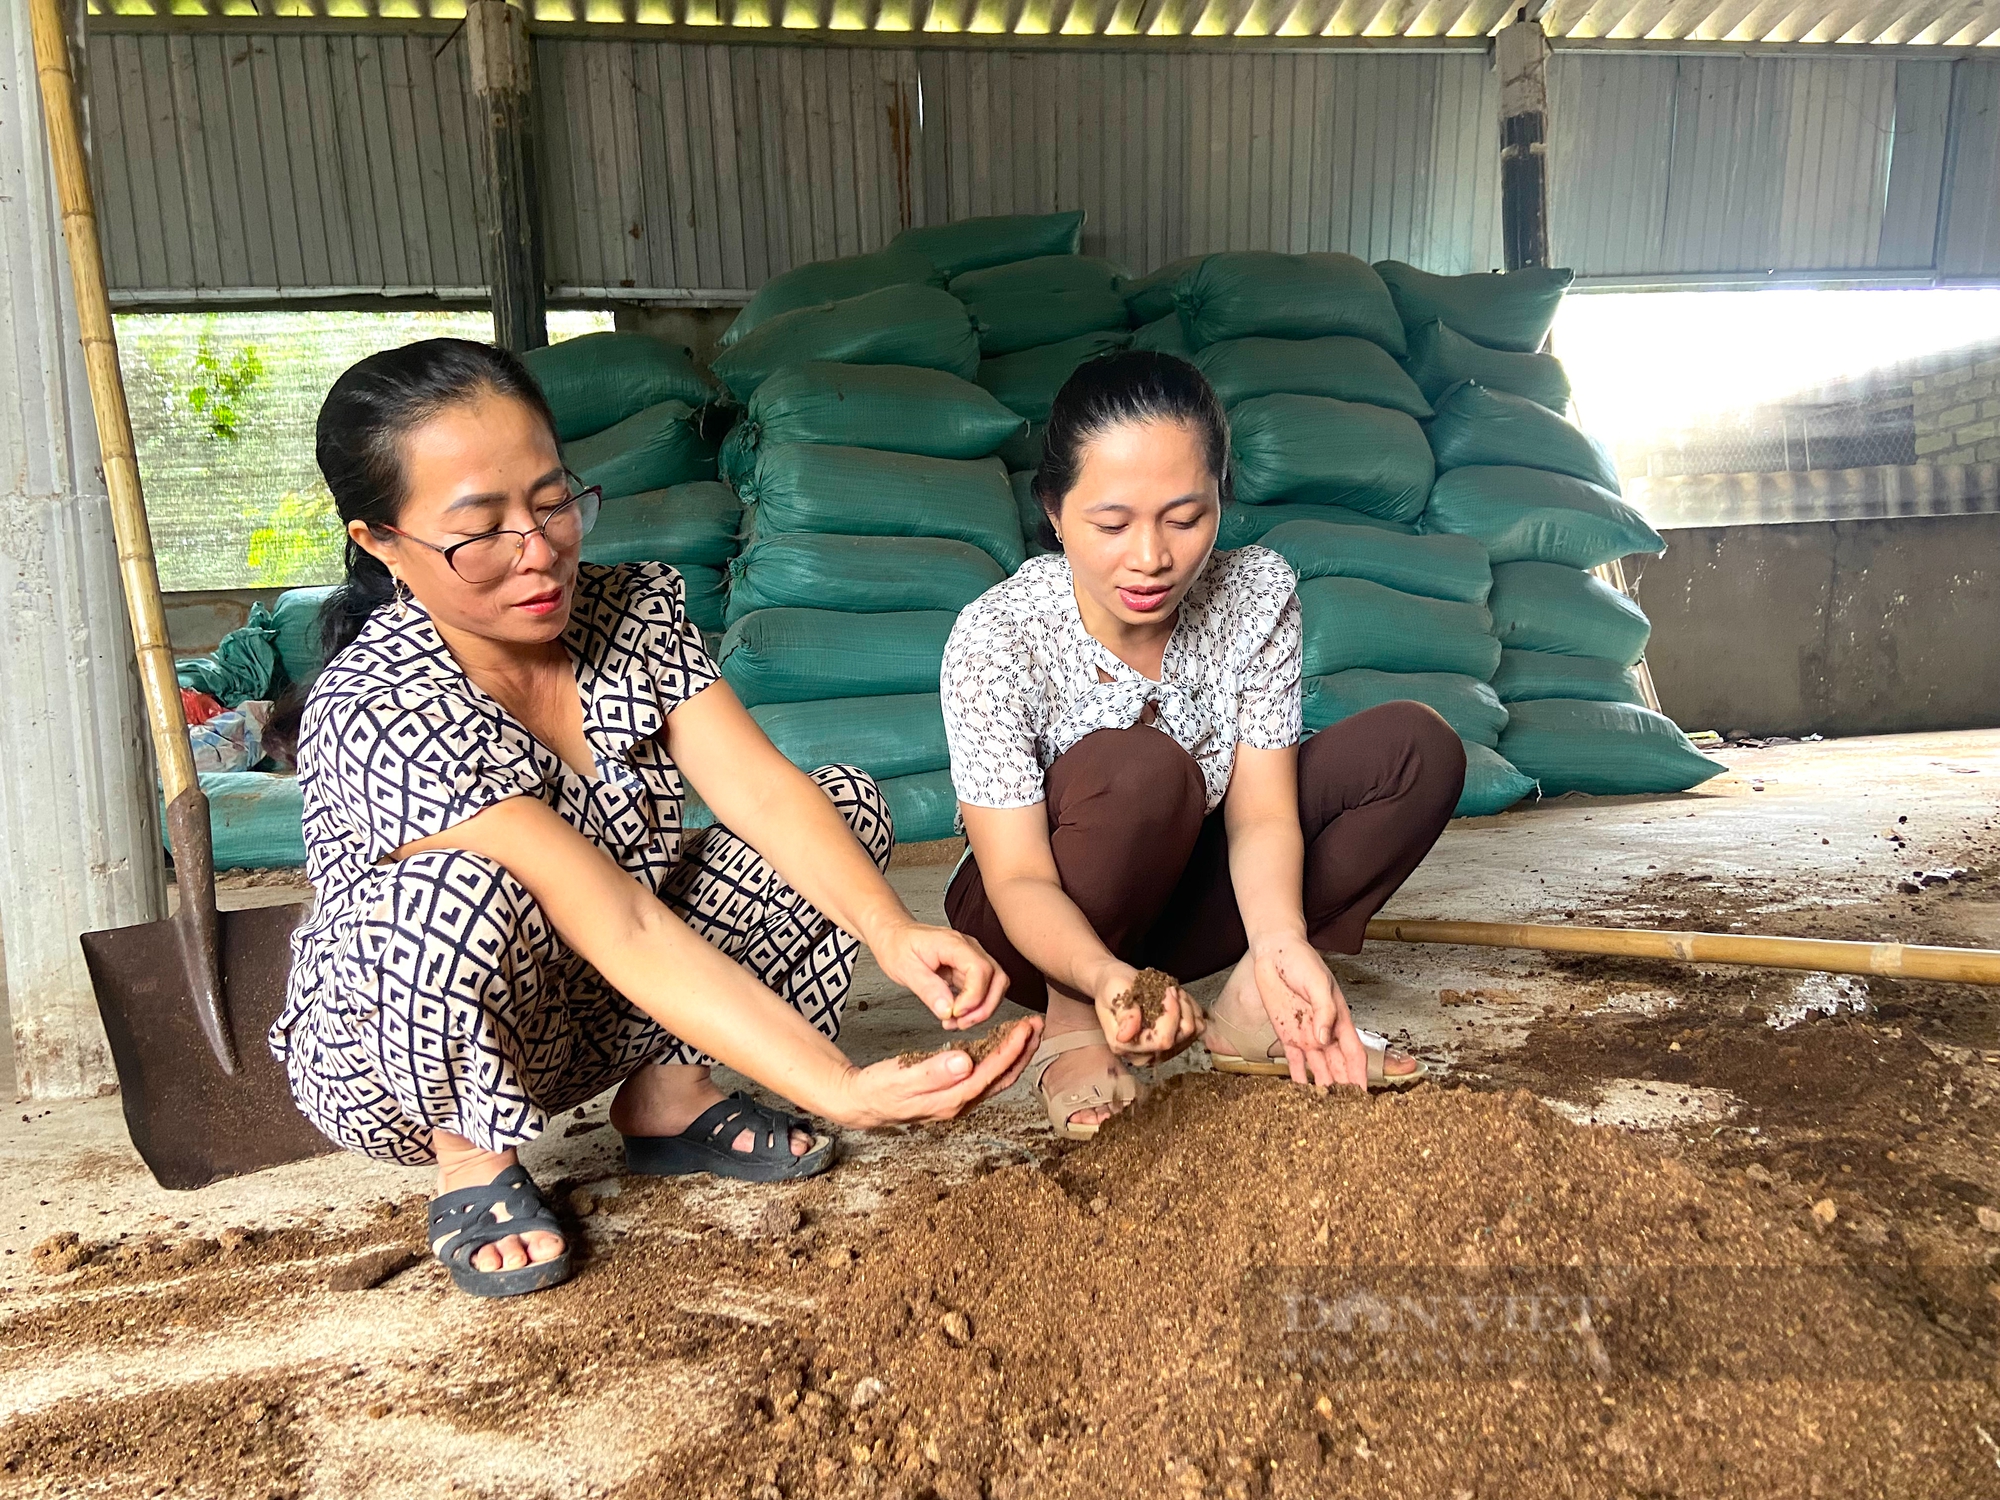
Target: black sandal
[(463, 1221), (707, 1145)]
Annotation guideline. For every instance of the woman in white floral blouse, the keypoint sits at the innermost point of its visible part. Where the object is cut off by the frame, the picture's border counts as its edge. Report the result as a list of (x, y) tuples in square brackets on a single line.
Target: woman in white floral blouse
[(1124, 725)]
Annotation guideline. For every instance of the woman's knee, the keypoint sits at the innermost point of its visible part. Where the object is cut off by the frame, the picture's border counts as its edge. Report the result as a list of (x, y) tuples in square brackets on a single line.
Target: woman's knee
[(861, 803), (1138, 782), (452, 900)]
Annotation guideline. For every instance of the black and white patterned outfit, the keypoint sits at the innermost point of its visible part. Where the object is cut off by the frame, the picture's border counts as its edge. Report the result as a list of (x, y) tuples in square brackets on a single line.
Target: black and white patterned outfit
[(431, 992), (1020, 682)]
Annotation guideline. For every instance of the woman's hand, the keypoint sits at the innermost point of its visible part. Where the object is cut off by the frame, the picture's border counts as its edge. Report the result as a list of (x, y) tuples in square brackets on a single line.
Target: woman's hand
[(1309, 1012), (1124, 1030), (946, 970), (938, 1088)]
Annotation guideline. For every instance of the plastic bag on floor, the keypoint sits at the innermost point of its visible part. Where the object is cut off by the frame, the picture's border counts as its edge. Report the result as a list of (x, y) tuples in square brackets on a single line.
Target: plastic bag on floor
[(1503, 310), (1546, 674), (898, 736), (232, 740), (1475, 426), (898, 325), (1467, 704), (1605, 749), (823, 281), (1439, 359), (600, 379), (1349, 622), (859, 574), (862, 492), (1434, 566), (1027, 382), (1533, 515), (798, 655), (660, 447), (1243, 294), (689, 523), (1039, 276), (1546, 607), (970, 244), (1346, 369), (1312, 450)]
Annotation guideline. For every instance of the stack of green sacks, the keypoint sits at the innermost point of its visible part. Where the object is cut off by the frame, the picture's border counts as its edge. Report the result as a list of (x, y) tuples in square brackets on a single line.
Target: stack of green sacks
[(1332, 470), (1543, 499), (876, 513), (630, 412)]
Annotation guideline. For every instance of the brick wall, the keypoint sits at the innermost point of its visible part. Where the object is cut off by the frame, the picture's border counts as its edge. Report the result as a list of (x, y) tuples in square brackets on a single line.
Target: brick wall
[(1957, 409)]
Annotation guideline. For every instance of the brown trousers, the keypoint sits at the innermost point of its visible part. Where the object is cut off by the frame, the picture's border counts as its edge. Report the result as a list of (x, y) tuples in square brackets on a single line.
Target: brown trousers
[(1137, 854)]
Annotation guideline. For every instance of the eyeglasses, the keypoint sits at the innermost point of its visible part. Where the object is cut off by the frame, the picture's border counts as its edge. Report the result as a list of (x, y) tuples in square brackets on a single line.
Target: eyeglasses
[(488, 558)]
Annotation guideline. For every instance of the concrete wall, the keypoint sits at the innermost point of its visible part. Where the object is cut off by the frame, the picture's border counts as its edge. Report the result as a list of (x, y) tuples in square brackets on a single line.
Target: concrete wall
[(1828, 627)]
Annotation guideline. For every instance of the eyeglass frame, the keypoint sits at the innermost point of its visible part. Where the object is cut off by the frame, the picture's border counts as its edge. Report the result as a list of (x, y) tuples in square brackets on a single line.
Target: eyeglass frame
[(486, 536)]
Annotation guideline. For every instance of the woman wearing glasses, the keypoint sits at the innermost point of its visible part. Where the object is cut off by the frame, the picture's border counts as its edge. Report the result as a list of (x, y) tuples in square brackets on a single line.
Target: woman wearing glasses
[(509, 917)]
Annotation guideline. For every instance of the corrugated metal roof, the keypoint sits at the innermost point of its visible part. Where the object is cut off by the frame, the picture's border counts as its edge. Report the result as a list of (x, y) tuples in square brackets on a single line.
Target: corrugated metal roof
[(1953, 23)]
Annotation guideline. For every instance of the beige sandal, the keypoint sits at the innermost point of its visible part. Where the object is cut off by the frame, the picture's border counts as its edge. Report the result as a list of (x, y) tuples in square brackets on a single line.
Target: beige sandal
[(1073, 1101), (1231, 1049)]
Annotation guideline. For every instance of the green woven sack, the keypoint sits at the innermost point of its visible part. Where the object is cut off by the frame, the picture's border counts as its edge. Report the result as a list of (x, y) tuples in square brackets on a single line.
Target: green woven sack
[(897, 408), (1347, 369), (1545, 674), (244, 667), (1313, 450), (860, 492), (1151, 297), (858, 574), (1164, 336), (1532, 515), (1540, 606), (707, 595), (899, 736), (1604, 749), (255, 820), (898, 325), (660, 447), (692, 523), (1440, 359), (1012, 321), (823, 281), (1244, 294), (799, 655), (1350, 623), (1039, 276), (1030, 511), (971, 243), (296, 618), (1492, 784), (1437, 567), (1244, 524), (1027, 382), (1466, 703), (1023, 452), (1475, 426), (922, 807), (600, 379), (1506, 310)]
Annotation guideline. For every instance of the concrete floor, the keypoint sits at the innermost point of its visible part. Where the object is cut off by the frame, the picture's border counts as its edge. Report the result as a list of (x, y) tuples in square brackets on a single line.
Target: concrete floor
[(1812, 819)]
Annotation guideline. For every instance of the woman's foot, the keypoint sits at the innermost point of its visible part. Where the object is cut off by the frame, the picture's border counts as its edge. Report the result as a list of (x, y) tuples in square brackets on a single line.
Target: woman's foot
[(664, 1099), (1085, 1066), (462, 1165), (1240, 1007)]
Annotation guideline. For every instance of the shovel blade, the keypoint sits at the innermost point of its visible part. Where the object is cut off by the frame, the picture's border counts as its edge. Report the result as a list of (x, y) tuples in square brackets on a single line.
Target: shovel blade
[(193, 1123)]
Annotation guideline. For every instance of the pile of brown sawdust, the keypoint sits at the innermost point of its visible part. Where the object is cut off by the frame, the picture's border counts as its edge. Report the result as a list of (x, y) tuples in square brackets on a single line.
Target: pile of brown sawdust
[(1167, 1311)]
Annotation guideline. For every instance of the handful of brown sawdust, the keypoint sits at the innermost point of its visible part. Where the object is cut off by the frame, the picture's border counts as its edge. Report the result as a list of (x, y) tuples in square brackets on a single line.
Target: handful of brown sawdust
[(1148, 996), (978, 1048)]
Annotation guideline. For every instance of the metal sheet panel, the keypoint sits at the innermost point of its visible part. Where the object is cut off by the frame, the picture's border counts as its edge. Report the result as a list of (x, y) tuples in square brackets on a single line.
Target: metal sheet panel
[(241, 166), (1969, 235)]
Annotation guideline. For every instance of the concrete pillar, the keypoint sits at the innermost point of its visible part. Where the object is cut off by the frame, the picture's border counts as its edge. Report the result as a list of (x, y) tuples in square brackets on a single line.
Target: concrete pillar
[(79, 837), (503, 81), (1521, 53)]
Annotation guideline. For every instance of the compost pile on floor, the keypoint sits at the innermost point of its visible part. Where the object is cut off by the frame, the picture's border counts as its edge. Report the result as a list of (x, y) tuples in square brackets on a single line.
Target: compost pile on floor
[(1167, 1311)]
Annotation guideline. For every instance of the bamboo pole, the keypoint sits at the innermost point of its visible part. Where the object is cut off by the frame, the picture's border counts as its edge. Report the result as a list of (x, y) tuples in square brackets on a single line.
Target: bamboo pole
[(1895, 960), (136, 566)]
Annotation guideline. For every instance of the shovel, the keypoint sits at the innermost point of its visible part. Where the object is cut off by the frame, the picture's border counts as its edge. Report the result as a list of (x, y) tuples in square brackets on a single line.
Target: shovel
[(186, 1001)]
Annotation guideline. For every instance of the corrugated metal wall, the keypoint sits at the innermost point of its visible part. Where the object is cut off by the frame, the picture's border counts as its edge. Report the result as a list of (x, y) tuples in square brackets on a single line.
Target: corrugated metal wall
[(310, 165)]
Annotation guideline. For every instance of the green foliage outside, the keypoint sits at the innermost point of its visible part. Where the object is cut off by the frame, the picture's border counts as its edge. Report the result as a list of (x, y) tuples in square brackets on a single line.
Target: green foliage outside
[(223, 412)]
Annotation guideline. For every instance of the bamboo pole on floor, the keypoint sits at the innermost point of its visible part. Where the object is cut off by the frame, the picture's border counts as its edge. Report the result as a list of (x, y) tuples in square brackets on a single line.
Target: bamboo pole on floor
[(1892, 960)]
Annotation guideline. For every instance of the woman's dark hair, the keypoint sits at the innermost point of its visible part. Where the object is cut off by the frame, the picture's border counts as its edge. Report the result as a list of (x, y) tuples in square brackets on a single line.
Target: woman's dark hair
[(1132, 385), (359, 444)]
